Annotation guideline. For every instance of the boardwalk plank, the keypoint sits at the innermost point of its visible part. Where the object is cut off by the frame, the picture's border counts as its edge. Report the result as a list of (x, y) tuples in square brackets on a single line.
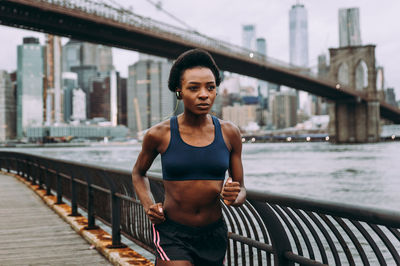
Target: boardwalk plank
[(24, 246), (32, 234), (16, 247), (44, 255)]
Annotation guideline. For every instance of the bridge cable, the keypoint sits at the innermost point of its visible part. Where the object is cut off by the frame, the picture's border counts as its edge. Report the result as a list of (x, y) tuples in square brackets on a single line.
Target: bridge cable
[(159, 7)]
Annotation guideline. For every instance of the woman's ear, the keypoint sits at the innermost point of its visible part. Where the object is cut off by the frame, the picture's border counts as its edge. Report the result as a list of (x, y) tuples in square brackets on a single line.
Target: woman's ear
[(178, 93)]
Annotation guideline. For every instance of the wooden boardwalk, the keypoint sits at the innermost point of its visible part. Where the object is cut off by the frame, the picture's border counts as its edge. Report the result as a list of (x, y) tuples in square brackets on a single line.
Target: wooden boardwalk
[(32, 234)]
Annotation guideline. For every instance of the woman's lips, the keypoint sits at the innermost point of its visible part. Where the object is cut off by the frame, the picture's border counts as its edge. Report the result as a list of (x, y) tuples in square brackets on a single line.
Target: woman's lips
[(203, 105)]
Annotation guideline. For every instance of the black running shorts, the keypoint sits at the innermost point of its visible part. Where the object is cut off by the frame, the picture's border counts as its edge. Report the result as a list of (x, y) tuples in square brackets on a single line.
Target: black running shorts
[(204, 245)]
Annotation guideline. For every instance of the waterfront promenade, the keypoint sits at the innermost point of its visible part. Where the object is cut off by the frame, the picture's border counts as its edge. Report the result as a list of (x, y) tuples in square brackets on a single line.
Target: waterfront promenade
[(32, 234)]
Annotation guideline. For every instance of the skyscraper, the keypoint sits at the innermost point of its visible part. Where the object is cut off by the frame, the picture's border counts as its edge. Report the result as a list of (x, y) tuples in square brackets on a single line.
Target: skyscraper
[(30, 85), (380, 82), (78, 53), (100, 97), (7, 107), (78, 104), (249, 37), (298, 30), (70, 82), (323, 68), (284, 110), (71, 55), (86, 75), (380, 78), (298, 38), (261, 46), (390, 97), (104, 97), (89, 61), (320, 106), (104, 58), (149, 100), (349, 27), (249, 43), (52, 88), (121, 101), (89, 55), (262, 89)]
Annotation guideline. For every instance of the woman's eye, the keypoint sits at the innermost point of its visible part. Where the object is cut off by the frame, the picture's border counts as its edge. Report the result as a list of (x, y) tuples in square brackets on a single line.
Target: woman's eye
[(211, 88), (193, 88)]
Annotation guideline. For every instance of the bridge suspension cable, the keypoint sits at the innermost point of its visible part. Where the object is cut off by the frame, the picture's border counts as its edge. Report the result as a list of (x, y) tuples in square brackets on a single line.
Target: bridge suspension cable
[(159, 7)]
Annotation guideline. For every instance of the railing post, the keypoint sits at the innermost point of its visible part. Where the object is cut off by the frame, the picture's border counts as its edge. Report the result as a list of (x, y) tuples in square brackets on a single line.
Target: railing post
[(47, 177), (23, 169), (115, 213), (59, 189), (17, 166), (40, 174), (31, 173), (116, 221), (90, 208), (26, 170), (279, 238), (74, 200), (8, 165)]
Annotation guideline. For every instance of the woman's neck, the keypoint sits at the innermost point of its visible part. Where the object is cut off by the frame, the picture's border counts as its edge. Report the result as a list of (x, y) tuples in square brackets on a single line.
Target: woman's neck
[(193, 120)]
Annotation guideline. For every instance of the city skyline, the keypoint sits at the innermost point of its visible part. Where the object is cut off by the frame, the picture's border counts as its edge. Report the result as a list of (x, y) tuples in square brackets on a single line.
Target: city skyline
[(323, 29)]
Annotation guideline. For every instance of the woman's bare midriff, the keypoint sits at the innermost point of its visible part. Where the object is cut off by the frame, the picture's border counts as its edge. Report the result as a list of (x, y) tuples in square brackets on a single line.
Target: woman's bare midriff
[(193, 202)]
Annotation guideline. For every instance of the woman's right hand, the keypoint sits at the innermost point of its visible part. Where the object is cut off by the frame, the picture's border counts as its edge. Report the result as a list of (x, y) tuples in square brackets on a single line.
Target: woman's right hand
[(156, 213)]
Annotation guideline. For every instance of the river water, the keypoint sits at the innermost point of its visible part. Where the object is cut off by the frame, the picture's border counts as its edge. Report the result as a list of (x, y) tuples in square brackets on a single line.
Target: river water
[(365, 174)]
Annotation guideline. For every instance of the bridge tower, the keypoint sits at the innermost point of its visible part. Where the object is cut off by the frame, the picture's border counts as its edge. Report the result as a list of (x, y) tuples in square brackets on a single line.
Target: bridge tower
[(354, 121)]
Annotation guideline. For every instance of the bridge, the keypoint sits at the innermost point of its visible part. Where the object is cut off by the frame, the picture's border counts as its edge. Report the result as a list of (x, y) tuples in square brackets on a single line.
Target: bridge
[(269, 229), (355, 116)]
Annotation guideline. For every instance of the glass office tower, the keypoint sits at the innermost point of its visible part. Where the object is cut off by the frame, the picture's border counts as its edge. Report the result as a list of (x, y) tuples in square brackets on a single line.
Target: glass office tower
[(29, 85)]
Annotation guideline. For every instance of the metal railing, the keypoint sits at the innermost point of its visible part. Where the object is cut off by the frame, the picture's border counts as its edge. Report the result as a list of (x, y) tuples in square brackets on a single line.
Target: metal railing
[(269, 229)]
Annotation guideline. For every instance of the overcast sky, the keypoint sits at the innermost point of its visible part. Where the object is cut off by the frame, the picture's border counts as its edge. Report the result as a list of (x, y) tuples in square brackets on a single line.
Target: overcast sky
[(223, 19)]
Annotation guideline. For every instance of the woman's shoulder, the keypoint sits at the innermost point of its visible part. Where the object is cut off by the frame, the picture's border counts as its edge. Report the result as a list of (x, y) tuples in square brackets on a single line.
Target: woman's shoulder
[(158, 131), (229, 128)]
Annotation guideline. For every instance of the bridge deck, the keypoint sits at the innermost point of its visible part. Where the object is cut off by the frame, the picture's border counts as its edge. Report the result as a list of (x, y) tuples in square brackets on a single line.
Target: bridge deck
[(31, 233)]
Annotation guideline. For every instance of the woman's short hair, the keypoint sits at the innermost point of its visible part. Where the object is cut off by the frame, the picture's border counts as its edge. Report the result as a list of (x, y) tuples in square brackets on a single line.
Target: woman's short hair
[(191, 59)]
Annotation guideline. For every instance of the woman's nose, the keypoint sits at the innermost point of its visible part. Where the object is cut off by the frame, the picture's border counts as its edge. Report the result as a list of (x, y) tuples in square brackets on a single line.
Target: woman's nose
[(203, 93)]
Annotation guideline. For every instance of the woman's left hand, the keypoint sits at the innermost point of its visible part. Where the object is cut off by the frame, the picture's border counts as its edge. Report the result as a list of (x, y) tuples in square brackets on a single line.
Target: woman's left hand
[(230, 191)]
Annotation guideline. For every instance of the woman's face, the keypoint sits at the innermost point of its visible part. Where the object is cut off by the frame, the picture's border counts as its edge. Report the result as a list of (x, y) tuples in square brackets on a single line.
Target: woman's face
[(198, 90)]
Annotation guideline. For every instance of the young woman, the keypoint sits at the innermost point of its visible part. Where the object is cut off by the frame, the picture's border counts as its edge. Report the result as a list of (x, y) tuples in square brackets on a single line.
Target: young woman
[(196, 150)]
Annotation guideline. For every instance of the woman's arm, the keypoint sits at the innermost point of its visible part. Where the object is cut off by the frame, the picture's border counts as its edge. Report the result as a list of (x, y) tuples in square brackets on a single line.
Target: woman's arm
[(234, 191), (141, 182)]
